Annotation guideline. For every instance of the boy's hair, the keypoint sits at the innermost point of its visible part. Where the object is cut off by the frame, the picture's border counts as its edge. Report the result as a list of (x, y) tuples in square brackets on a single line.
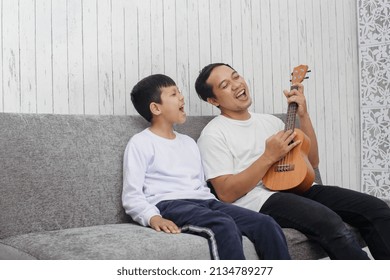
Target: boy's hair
[(203, 89), (148, 90)]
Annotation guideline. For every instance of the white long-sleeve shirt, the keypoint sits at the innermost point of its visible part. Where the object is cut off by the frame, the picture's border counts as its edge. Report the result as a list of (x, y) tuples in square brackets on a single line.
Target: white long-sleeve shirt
[(157, 169)]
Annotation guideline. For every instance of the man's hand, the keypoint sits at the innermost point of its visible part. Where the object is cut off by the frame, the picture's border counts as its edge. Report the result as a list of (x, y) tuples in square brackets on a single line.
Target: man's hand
[(278, 145), (158, 223), (297, 96)]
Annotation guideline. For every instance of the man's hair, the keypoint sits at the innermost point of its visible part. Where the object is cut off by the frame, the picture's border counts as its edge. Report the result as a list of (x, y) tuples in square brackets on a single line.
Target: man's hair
[(203, 89), (148, 90)]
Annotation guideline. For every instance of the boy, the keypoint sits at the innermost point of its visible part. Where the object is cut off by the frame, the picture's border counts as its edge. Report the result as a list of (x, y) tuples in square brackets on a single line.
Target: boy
[(164, 186)]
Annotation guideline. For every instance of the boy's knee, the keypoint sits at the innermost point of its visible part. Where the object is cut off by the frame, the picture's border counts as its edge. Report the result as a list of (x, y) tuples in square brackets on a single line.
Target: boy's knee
[(228, 225), (267, 223)]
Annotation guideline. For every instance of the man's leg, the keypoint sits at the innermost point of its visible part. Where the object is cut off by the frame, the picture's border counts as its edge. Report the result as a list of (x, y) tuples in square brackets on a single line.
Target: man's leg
[(365, 212), (316, 221)]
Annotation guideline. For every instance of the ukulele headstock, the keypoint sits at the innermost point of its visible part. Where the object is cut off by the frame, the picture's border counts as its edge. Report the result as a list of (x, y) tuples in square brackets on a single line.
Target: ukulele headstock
[(299, 74)]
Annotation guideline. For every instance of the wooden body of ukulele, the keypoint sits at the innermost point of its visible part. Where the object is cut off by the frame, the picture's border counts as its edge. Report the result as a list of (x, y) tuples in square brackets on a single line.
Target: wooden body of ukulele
[(294, 172)]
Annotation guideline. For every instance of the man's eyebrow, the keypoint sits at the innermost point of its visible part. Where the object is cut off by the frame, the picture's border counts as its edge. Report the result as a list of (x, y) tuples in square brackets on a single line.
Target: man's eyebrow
[(220, 84)]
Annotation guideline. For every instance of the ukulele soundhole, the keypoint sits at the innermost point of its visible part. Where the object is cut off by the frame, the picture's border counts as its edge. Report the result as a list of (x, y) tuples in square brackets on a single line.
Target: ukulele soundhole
[(284, 167)]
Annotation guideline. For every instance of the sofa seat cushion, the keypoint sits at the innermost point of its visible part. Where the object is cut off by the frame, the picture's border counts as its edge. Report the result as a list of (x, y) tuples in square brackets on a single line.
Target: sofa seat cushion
[(131, 241), (112, 242)]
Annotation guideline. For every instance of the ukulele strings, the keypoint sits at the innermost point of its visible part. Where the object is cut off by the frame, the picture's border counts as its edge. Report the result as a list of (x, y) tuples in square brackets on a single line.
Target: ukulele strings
[(285, 163)]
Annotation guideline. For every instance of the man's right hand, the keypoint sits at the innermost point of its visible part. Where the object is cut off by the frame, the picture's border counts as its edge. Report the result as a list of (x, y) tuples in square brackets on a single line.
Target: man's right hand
[(278, 145), (158, 223)]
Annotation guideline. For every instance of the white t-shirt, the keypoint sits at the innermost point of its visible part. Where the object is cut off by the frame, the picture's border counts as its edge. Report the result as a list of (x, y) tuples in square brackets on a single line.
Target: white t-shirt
[(157, 169), (230, 146)]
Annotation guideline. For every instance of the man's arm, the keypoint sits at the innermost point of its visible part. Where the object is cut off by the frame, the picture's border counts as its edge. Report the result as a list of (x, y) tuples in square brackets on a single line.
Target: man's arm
[(305, 121), (231, 187)]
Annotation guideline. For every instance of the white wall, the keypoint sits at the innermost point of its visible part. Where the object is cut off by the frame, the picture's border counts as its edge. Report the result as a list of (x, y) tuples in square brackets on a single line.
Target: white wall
[(84, 56)]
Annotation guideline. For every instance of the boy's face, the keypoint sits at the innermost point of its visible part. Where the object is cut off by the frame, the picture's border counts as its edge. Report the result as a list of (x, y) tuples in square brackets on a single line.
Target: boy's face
[(172, 105), (230, 90)]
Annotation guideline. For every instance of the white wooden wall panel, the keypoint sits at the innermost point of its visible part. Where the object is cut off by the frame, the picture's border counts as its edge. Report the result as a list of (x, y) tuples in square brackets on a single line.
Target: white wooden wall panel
[(84, 57), (1, 63), (43, 56), (118, 58), (75, 59), (60, 58), (90, 57), (131, 53), (181, 53), (28, 90), (104, 25), (11, 56)]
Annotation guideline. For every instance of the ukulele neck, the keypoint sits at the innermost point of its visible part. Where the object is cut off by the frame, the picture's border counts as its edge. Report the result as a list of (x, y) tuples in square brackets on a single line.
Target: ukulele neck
[(291, 114)]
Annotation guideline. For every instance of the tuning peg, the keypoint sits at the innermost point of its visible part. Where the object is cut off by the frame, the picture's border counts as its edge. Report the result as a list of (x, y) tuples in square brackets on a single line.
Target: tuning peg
[(306, 78)]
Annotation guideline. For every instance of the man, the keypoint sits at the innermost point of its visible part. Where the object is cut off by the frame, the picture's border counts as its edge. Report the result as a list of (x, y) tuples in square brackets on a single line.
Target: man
[(238, 147)]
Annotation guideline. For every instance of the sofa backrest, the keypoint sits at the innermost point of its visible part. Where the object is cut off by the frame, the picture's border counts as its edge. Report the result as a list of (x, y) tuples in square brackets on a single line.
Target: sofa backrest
[(65, 171), (61, 171)]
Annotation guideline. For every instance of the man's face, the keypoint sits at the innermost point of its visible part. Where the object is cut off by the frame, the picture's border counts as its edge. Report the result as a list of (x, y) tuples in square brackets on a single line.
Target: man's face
[(230, 90)]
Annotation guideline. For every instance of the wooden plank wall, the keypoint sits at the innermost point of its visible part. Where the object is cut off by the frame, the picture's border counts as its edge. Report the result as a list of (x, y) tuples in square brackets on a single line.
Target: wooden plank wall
[(84, 56)]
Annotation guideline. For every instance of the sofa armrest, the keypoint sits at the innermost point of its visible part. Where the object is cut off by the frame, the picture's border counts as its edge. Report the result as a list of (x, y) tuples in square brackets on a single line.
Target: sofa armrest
[(317, 178)]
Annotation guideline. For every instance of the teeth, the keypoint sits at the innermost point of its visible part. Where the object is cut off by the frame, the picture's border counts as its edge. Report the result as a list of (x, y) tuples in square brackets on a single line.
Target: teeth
[(240, 93)]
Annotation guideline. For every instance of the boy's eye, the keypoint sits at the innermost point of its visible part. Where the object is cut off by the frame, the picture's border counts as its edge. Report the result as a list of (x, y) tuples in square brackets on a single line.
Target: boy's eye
[(224, 85)]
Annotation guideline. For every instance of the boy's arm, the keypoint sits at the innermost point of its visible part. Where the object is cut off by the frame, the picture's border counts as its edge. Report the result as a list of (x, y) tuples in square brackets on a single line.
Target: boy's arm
[(133, 198)]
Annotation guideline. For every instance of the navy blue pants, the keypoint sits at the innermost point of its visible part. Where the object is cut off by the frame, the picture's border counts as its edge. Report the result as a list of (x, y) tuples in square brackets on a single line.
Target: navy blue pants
[(320, 214), (226, 224)]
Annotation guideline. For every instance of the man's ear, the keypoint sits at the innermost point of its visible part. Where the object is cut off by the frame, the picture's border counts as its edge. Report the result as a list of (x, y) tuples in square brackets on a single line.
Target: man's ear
[(154, 108), (213, 101)]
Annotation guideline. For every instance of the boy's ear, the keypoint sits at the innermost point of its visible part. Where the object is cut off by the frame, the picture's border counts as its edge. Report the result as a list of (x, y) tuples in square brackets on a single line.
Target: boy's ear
[(154, 108), (213, 101)]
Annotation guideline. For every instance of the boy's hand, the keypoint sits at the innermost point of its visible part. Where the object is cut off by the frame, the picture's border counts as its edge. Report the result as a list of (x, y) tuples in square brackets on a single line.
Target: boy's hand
[(158, 223)]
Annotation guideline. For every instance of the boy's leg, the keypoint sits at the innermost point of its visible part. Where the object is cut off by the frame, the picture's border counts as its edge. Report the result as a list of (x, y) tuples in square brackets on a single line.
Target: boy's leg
[(195, 214), (317, 222), (365, 212), (267, 236)]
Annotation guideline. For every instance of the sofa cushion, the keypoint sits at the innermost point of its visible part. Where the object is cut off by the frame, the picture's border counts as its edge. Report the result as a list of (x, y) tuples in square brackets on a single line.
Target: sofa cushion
[(114, 242)]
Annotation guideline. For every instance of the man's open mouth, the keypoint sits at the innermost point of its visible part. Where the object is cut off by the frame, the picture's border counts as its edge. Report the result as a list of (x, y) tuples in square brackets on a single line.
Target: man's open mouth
[(241, 94)]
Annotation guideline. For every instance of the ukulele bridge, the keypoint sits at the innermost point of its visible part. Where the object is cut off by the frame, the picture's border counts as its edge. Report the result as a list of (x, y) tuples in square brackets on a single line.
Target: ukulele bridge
[(284, 167)]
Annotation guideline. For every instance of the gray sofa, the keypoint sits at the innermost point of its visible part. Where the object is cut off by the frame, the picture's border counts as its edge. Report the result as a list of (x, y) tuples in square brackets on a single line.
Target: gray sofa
[(60, 186)]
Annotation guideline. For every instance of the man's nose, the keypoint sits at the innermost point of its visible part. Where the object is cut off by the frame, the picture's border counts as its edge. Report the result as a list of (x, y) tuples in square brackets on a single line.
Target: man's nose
[(235, 84)]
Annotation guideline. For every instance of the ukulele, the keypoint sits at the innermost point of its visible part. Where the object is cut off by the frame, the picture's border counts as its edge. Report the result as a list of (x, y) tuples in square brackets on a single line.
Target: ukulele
[(293, 173)]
